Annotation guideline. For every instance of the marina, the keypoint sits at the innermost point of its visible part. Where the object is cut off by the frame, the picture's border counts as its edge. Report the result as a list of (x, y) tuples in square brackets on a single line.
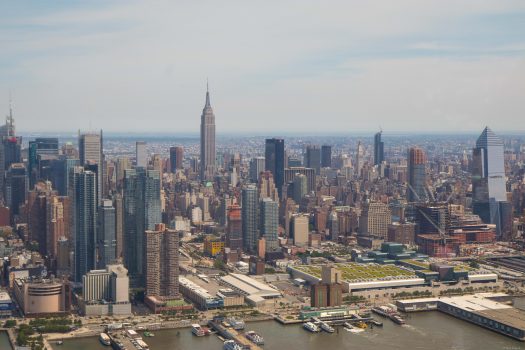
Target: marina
[(444, 332)]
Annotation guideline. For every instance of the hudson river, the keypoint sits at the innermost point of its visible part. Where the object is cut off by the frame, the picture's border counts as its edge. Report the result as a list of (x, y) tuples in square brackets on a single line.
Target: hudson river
[(427, 330)]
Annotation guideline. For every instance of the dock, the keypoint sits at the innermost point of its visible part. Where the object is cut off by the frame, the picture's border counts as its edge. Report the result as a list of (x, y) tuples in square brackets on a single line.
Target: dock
[(231, 334)]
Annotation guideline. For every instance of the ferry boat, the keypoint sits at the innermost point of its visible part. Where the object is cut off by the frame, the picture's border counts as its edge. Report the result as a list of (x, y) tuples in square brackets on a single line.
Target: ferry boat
[(254, 338), (236, 324), (104, 339), (231, 345), (327, 328), (197, 330), (312, 327)]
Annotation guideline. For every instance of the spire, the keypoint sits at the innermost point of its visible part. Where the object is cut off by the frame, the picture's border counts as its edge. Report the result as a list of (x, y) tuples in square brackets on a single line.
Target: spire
[(208, 104)]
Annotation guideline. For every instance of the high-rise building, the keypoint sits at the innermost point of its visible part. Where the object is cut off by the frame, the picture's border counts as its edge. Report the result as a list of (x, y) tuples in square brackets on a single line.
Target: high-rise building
[(417, 175), (83, 196), (326, 156), (250, 233), (267, 187), (40, 146), (106, 291), (359, 159), (162, 262), (207, 161), (106, 240), (176, 158), (488, 181), (300, 230), (142, 210), (269, 224), (57, 223), (291, 173), (300, 187), (256, 167), (275, 161), (16, 187), (91, 152), (234, 228), (379, 149), (374, 220), (313, 158), (119, 225), (141, 154)]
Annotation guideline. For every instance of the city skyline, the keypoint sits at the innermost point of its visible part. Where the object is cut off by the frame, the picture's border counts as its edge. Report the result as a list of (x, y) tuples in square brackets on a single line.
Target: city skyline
[(334, 71)]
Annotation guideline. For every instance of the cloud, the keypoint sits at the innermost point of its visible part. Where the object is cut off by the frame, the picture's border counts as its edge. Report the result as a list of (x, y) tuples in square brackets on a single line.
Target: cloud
[(292, 66)]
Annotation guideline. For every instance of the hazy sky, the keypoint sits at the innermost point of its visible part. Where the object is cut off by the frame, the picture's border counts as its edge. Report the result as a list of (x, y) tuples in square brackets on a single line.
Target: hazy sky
[(273, 66)]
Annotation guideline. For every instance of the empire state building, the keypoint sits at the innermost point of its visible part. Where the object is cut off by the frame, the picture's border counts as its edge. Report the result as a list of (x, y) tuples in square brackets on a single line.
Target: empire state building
[(207, 161)]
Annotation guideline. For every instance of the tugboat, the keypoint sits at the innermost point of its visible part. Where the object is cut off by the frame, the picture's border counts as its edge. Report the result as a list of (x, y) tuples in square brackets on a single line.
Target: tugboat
[(311, 327), (327, 328), (254, 338)]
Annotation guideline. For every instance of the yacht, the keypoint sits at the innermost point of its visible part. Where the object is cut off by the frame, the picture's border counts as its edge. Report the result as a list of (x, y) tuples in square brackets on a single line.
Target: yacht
[(104, 339), (254, 338), (197, 330), (236, 324), (327, 328), (231, 345), (312, 327)]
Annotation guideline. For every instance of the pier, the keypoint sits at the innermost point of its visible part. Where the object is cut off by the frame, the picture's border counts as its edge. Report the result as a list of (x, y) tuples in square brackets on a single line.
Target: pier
[(231, 334)]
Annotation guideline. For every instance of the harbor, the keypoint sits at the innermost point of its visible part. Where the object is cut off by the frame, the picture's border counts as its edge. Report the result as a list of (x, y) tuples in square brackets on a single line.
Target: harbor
[(442, 331)]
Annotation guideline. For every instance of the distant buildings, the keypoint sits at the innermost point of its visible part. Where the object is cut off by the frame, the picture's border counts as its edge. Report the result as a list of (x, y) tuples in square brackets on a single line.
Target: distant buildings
[(326, 156), (91, 152), (16, 187), (141, 154), (313, 158), (375, 219)]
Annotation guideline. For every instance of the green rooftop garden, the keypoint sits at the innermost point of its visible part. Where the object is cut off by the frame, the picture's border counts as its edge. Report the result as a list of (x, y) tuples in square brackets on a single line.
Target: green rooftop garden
[(354, 271)]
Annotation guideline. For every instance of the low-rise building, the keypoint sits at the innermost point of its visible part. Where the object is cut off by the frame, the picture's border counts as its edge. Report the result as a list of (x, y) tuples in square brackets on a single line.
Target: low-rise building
[(42, 296)]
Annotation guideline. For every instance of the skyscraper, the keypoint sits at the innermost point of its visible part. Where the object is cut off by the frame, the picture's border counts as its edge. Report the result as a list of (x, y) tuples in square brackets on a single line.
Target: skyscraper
[(40, 146), (374, 220), (269, 223), (313, 158), (141, 154), (162, 262), (142, 210), (359, 161), (16, 187), (10, 147), (90, 149), (256, 167), (250, 233), (488, 180), (106, 240), (83, 196), (234, 228), (176, 158), (300, 187), (275, 161), (417, 175), (326, 156), (207, 161), (379, 156), (267, 187)]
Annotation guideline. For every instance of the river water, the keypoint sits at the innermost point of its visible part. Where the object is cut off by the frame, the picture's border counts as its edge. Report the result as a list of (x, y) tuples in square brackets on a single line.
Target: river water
[(426, 330)]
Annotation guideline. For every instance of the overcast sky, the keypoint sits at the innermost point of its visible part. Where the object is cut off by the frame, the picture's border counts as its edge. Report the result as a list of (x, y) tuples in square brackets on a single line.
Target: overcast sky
[(273, 66)]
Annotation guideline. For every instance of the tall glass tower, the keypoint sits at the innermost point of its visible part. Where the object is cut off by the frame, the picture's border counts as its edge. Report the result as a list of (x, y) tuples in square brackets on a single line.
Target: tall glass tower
[(488, 180), (249, 211)]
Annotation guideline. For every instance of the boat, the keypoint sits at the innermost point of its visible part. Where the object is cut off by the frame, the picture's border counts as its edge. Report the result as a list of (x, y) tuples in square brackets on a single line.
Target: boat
[(197, 330), (384, 311), (327, 328), (352, 329), (254, 338), (312, 327), (376, 323), (397, 319), (361, 325), (104, 339), (59, 342), (236, 324), (148, 334), (231, 345)]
